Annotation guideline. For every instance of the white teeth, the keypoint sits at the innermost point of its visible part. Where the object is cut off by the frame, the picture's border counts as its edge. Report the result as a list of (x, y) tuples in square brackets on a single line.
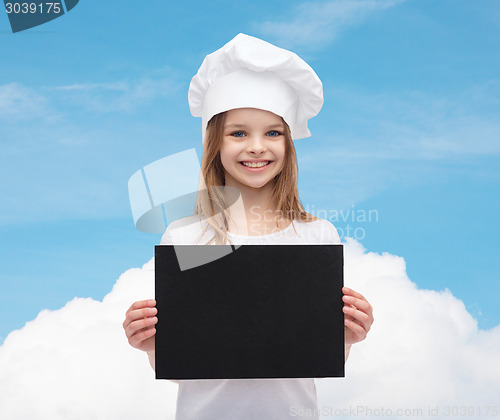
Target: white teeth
[(255, 164)]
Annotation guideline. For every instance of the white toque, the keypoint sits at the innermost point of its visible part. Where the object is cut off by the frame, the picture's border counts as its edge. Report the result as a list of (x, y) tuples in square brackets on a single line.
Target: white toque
[(248, 72)]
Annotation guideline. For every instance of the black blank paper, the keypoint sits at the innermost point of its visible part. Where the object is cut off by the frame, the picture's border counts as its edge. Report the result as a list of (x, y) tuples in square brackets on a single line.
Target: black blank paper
[(261, 311)]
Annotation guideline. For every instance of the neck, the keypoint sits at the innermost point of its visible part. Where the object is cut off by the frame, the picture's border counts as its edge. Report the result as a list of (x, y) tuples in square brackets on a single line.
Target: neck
[(255, 212)]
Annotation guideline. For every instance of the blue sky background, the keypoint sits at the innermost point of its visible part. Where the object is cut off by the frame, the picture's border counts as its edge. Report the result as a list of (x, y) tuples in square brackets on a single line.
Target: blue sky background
[(410, 129)]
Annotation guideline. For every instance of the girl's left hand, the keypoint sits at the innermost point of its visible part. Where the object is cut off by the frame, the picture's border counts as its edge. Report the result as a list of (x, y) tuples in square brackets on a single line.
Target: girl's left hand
[(358, 316)]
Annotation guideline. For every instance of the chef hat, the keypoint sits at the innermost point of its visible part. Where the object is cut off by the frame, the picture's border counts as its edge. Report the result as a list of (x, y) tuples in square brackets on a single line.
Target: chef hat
[(248, 72)]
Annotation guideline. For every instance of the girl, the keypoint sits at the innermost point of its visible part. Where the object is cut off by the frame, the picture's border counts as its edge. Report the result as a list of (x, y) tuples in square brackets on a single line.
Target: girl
[(254, 100)]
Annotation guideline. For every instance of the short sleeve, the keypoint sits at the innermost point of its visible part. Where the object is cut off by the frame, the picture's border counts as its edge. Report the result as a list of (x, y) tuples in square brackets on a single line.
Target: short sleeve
[(166, 239), (331, 234), (184, 231)]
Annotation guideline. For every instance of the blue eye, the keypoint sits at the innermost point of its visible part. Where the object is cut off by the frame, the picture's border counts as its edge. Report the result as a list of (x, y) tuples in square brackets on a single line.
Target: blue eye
[(237, 134), (275, 133)]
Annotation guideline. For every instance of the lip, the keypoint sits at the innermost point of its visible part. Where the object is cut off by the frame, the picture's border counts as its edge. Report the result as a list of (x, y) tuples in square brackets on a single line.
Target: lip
[(263, 168), (256, 160)]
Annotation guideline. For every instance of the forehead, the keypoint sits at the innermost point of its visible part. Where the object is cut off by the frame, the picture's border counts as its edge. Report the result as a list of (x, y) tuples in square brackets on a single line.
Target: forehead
[(252, 116)]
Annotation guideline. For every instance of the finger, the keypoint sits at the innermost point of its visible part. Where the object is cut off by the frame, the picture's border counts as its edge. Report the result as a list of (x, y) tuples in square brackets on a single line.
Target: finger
[(140, 325), (360, 304), (349, 317), (357, 315), (348, 291), (358, 330), (137, 339), (139, 314), (141, 304)]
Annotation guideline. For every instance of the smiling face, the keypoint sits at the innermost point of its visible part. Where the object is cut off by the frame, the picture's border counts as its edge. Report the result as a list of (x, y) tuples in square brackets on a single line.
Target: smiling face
[(252, 138)]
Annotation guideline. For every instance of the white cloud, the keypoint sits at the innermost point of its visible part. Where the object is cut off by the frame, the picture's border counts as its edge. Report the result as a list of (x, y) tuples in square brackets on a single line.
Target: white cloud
[(366, 142), (19, 103), (75, 362), (120, 96), (424, 349), (412, 124), (318, 23), (55, 138)]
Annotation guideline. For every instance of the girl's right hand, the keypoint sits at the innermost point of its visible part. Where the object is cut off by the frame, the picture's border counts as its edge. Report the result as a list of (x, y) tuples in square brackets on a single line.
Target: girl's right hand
[(139, 325)]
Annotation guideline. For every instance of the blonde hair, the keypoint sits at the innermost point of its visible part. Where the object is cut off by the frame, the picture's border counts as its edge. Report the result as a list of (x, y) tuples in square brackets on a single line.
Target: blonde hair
[(211, 202)]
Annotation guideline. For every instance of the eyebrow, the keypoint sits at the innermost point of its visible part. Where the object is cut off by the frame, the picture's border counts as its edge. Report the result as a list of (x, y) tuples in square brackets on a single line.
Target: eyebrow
[(235, 125)]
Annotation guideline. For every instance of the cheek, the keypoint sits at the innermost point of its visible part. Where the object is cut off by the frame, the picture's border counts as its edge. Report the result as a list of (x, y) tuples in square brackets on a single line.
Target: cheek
[(279, 152), (227, 156)]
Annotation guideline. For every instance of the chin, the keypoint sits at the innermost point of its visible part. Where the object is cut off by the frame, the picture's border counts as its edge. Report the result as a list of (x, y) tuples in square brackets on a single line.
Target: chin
[(257, 186), (252, 183)]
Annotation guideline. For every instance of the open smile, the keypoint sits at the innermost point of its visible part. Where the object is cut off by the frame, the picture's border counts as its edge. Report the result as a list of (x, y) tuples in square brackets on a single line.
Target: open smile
[(256, 166)]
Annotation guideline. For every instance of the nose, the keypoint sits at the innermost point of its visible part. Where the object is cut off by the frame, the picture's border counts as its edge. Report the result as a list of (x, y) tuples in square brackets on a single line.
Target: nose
[(256, 145)]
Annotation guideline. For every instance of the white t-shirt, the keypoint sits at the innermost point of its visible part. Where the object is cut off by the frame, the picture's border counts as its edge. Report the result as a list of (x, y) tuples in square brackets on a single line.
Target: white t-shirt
[(248, 399)]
